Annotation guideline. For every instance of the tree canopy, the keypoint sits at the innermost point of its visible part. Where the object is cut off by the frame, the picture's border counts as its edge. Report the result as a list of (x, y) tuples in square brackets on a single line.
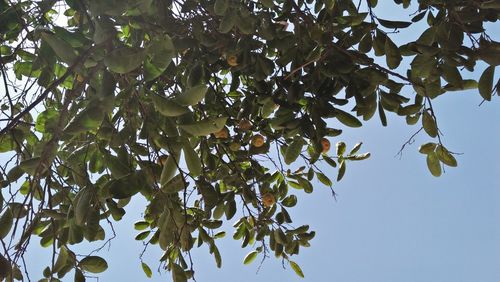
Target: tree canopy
[(213, 111)]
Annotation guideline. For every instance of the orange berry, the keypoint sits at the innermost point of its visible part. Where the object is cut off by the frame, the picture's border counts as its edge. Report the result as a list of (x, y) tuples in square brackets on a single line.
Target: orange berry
[(232, 60), (325, 145), (258, 141), (222, 134), (245, 125), (268, 200), (234, 146)]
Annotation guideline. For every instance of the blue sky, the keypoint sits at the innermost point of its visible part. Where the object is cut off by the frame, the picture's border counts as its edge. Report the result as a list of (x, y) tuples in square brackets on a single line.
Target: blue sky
[(392, 220)]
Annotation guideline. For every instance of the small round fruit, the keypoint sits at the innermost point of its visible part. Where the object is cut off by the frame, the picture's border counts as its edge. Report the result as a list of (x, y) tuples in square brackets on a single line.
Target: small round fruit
[(258, 141), (268, 200), (222, 134), (80, 78), (325, 145), (245, 125), (235, 146), (232, 60)]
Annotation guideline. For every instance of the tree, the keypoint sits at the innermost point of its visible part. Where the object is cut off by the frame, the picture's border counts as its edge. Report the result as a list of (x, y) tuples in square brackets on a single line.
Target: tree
[(210, 110)]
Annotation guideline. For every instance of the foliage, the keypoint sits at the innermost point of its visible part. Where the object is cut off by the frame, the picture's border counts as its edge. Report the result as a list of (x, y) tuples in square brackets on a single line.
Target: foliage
[(211, 110)]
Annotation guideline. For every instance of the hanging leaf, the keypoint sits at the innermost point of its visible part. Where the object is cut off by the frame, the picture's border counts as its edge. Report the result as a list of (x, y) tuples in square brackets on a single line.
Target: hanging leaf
[(93, 264), (392, 54), (82, 205), (228, 21), (160, 54), (178, 273), (176, 184), (341, 172), (146, 270), (87, 120), (427, 148), (125, 59), (192, 95), (347, 119), (393, 24), (429, 124), (192, 160), (62, 259), (250, 257), (167, 107), (204, 127), (63, 49), (324, 179), (340, 148), (220, 7), (79, 277), (6, 221), (433, 164), (445, 156), (294, 149), (296, 268), (169, 169), (485, 85)]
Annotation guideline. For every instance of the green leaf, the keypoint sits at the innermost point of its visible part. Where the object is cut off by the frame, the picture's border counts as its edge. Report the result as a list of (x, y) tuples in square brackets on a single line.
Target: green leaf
[(79, 277), (168, 107), (178, 273), (452, 75), (82, 205), (192, 95), (393, 24), (15, 173), (193, 161), (427, 148), (62, 259), (93, 264), (359, 157), (355, 149), (125, 59), (220, 7), (228, 21), (289, 201), (429, 124), (175, 185), (5, 268), (6, 221), (347, 119), (296, 268), (87, 120), (104, 30), (433, 164), (63, 49), (160, 54), (324, 179), (341, 172), (141, 225), (250, 257), (340, 148), (293, 150), (381, 113), (485, 85), (204, 127), (169, 169), (445, 156), (46, 120), (146, 270), (392, 54), (142, 236)]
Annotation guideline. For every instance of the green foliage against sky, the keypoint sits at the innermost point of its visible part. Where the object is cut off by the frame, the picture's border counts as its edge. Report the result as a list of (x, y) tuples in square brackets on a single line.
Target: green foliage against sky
[(212, 111)]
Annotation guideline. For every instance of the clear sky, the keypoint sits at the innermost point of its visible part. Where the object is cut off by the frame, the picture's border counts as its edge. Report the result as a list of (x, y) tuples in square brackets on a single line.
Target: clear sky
[(392, 220)]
